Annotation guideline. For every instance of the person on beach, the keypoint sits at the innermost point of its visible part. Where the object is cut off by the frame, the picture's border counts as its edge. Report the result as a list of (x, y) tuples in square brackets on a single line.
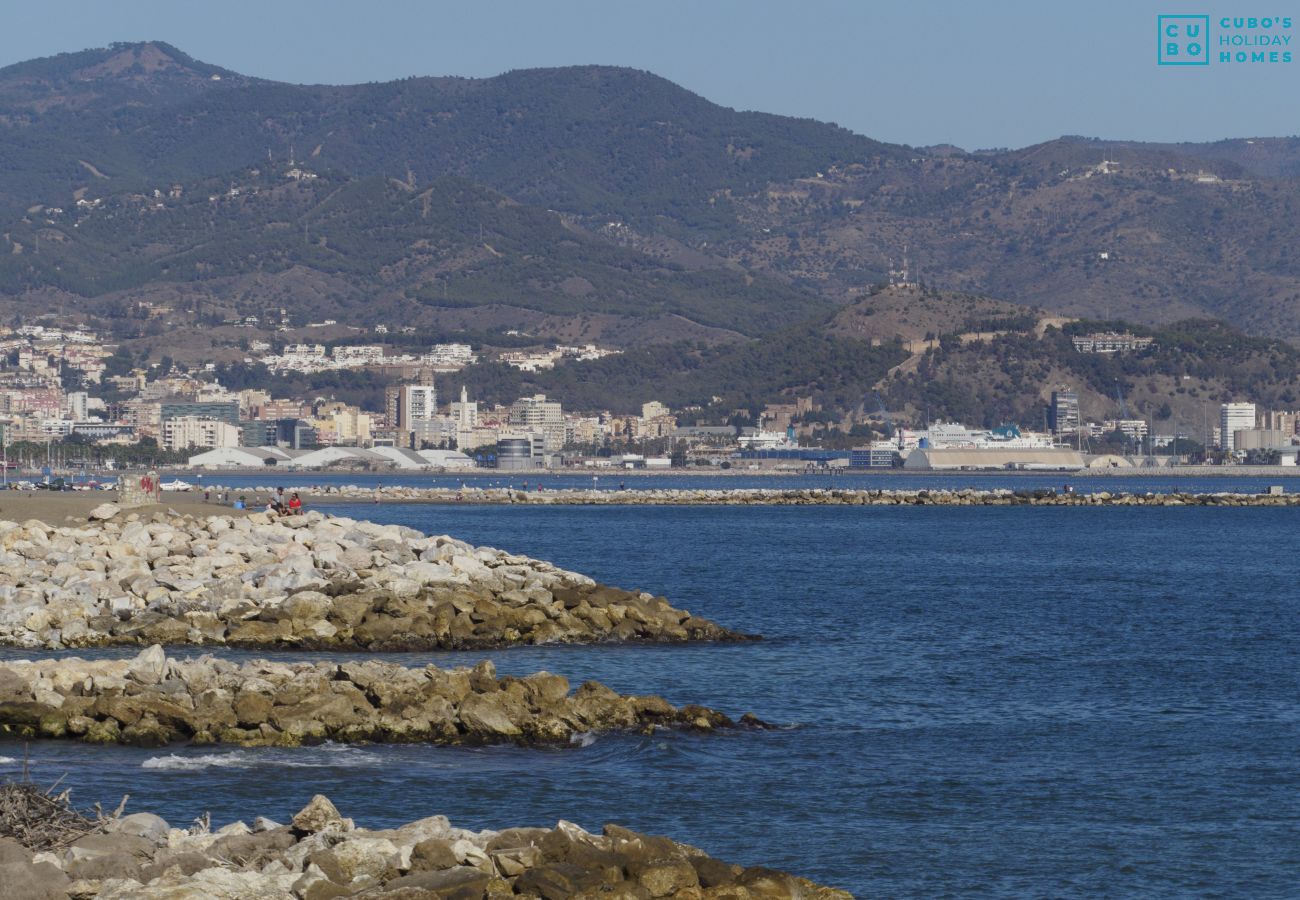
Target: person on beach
[(206, 496), (239, 504), (295, 505)]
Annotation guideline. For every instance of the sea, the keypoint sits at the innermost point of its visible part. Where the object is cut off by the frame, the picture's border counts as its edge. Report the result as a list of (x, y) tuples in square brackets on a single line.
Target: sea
[(993, 701)]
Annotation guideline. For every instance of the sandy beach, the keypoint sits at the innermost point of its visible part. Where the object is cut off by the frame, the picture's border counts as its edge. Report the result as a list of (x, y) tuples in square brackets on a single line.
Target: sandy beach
[(58, 507)]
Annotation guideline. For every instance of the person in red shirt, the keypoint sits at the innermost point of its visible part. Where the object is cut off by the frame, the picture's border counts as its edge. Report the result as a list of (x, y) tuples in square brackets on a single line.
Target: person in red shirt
[(295, 505)]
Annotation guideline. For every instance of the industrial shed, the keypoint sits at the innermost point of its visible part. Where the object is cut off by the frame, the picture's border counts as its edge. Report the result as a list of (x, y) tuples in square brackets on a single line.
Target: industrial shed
[(1054, 459), (242, 458), (326, 457)]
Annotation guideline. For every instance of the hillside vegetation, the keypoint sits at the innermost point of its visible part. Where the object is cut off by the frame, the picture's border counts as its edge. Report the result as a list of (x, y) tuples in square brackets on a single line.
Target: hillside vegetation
[(729, 254), (1193, 367), (449, 244)]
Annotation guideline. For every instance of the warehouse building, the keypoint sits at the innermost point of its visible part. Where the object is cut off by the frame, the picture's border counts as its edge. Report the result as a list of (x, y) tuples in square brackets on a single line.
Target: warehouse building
[(1045, 459)]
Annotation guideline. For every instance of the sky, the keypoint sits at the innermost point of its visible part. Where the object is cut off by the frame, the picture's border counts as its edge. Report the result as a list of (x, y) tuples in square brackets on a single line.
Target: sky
[(999, 73)]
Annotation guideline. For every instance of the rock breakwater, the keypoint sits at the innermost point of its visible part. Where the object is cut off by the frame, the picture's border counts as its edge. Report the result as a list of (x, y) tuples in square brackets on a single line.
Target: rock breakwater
[(310, 581), (320, 854), (153, 700), (788, 497)]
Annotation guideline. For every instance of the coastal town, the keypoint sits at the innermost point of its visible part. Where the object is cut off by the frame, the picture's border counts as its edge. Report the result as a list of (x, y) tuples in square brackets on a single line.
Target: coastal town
[(689, 447), (64, 407)]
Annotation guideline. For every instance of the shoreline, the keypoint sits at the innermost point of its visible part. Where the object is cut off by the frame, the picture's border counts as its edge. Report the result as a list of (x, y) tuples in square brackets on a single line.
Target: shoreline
[(478, 496), (152, 575), (318, 577), (1173, 472), (152, 700), (58, 851), (68, 509)]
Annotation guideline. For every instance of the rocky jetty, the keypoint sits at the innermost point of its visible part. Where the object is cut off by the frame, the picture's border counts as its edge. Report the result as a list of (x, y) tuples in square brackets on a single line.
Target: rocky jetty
[(309, 581), (153, 700), (786, 497), (319, 854)]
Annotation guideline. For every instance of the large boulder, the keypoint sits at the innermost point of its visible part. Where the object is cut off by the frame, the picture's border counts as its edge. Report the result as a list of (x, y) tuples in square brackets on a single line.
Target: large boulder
[(483, 717), (149, 666), (33, 881), (104, 511), (363, 857), (317, 816), (146, 825)]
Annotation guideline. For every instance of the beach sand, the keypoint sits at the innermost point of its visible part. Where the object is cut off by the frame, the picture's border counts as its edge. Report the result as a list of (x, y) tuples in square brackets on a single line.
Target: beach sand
[(63, 507)]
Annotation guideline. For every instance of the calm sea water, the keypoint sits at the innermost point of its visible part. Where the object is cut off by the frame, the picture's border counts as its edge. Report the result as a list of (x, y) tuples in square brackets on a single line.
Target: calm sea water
[(999, 701)]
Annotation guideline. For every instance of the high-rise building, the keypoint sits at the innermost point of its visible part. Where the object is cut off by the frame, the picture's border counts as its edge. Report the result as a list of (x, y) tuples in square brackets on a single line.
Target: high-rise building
[(537, 414), (1063, 413), (222, 410), (1234, 417), (418, 402), (78, 402), (1276, 420), (190, 432)]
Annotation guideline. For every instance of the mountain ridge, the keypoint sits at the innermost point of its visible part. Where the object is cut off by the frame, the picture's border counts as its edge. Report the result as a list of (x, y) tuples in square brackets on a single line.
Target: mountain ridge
[(1149, 232)]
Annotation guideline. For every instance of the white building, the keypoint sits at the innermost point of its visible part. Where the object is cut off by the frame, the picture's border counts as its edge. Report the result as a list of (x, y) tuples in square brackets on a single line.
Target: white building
[(1133, 429), (1234, 417), (78, 405), (654, 410), (538, 414), (418, 402), (359, 355), (450, 357), (1110, 342), (301, 351), (190, 432)]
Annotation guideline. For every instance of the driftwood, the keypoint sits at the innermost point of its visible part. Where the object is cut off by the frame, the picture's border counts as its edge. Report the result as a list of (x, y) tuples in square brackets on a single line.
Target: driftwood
[(41, 820)]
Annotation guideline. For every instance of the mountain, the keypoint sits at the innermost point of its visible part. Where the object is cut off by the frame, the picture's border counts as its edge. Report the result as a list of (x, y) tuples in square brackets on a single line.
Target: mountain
[(376, 250), (596, 203), (593, 140), (1141, 233)]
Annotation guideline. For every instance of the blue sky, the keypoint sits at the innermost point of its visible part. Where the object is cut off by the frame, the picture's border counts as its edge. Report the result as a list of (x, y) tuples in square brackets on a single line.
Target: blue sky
[(976, 74)]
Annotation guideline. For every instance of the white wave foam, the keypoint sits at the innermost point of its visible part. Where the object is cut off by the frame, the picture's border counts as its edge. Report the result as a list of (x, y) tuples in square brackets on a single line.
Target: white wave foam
[(582, 739), (325, 756), (176, 762), (6, 760)]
